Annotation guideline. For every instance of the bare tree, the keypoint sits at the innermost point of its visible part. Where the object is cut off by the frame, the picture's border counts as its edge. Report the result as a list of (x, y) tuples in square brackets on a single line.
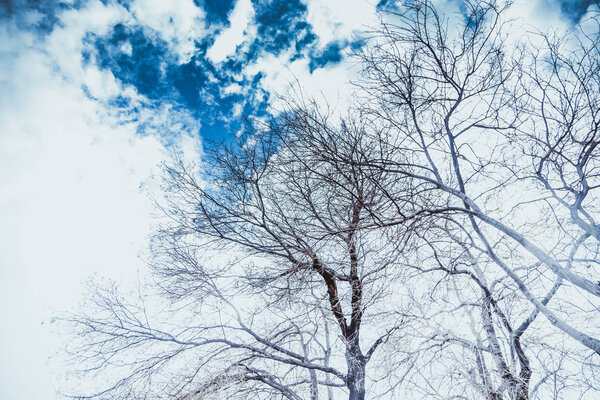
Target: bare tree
[(472, 323), (505, 134), (302, 305)]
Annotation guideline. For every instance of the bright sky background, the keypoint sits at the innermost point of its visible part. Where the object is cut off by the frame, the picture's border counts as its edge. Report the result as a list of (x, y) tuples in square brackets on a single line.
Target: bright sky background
[(95, 94)]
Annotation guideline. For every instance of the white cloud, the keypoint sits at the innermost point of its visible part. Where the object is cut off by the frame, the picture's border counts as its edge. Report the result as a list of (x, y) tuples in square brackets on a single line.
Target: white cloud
[(230, 38), (536, 15), (285, 78), (64, 45), (233, 88), (331, 21), (179, 22), (70, 203), (588, 25), (339, 19)]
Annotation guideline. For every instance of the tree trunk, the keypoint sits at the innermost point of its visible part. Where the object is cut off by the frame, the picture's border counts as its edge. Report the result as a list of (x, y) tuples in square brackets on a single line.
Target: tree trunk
[(356, 373)]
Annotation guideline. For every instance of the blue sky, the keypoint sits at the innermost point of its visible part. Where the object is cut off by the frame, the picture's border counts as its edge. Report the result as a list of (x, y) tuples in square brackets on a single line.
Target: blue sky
[(95, 94), (140, 55)]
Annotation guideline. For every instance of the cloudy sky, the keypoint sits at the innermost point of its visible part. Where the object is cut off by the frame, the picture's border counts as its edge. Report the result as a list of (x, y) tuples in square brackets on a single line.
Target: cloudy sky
[(95, 94)]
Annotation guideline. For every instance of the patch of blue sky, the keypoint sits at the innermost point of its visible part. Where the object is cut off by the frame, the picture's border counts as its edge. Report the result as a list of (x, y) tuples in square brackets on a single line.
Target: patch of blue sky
[(134, 58), (576, 9), (48, 11), (332, 53), (138, 57), (217, 11), (281, 24), (388, 5)]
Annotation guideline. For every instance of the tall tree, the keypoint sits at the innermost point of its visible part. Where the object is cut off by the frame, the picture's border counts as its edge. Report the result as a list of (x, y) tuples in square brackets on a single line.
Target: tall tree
[(506, 133), (305, 303)]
